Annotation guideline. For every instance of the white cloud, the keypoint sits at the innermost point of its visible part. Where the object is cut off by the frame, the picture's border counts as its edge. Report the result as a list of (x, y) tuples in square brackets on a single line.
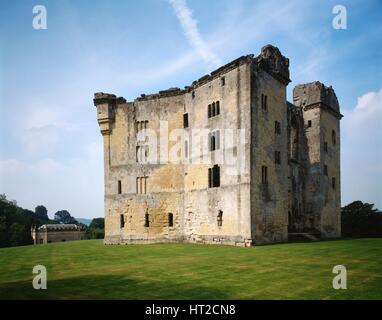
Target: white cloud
[(76, 185), (361, 155), (191, 31)]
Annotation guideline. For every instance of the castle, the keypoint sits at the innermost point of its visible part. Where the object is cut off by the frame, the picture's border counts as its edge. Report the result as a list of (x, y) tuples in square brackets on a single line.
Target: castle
[(263, 171)]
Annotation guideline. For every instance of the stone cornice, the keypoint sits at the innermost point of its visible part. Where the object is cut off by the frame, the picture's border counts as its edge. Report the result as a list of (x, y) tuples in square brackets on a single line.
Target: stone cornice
[(324, 107)]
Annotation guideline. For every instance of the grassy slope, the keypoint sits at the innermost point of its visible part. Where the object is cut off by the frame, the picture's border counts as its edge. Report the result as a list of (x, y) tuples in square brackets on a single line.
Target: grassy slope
[(90, 270)]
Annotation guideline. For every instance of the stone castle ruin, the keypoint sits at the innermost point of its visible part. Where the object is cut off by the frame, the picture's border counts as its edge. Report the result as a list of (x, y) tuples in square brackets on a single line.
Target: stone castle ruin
[(284, 179)]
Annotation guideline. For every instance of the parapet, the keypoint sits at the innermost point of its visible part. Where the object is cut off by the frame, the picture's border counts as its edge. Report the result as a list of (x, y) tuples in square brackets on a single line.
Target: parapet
[(101, 98), (314, 94), (272, 61)]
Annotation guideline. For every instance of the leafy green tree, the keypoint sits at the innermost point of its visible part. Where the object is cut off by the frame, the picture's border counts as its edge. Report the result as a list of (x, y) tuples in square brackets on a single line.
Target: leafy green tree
[(14, 224), (63, 216), (96, 229), (97, 223), (360, 219), (41, 214)]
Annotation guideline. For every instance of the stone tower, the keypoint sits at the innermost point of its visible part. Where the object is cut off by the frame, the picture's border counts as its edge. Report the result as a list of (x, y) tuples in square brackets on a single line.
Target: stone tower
[(322, 197)]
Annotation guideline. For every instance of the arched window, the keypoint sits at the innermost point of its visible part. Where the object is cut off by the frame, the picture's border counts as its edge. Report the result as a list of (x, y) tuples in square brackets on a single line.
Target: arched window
[(220, 218), (170, 220)]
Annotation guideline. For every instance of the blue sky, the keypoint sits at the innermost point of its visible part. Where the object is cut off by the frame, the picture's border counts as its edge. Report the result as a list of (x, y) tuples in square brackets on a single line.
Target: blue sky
[(50, 145)]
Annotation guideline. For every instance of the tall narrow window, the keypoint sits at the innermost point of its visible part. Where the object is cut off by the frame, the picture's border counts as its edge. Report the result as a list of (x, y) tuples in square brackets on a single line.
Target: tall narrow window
[(325, 170), (333, 137), (309, 123), (170, 220), (333, 183), (214, 176), (277, 127), (209, 111), (264, 102), (193, 94), (185, 120), (213, 109), (122, 221), (141, 185), (220, 218), (212, 141), (325, 147), (119, 186), (147, 220), (217, 107), (186, 149), (264, 175), (277, 157), (222, 81)]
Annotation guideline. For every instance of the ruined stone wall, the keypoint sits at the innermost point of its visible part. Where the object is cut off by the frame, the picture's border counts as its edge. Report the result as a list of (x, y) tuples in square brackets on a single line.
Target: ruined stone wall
[(296, 194), (331, 211), (269, 201), (297, 151), (322, 201), (201, 203), (164, 182)]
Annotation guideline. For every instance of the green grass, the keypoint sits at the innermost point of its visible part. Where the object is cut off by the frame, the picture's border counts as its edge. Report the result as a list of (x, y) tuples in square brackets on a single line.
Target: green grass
[(91, 270)]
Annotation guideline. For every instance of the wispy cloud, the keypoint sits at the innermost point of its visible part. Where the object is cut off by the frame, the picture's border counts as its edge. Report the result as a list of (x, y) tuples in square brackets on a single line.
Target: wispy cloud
[(190, 27)]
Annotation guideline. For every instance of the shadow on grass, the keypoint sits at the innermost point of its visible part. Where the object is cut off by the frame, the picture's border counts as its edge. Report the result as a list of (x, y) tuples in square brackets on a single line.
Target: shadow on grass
[(109, 287)]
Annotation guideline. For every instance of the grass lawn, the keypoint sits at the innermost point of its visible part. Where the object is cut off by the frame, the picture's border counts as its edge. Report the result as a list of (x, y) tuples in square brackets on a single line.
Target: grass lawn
[(90, 270)]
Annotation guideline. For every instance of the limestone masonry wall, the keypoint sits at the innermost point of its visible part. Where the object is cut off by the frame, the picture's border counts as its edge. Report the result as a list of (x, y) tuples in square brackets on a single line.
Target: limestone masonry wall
[(284, 173)]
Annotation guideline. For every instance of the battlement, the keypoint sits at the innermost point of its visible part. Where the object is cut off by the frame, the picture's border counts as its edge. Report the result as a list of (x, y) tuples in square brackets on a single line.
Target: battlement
[(316, 94)]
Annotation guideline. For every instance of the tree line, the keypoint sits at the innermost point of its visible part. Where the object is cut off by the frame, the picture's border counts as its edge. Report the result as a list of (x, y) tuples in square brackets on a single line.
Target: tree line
[(16, 223), (358, 219)]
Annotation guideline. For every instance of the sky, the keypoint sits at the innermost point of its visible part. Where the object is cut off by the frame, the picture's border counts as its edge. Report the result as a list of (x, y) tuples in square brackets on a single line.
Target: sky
[(50, 144)]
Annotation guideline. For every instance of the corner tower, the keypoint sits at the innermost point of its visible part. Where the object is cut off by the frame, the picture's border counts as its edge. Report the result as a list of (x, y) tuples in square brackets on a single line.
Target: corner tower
[(321, 114), (269, 164)]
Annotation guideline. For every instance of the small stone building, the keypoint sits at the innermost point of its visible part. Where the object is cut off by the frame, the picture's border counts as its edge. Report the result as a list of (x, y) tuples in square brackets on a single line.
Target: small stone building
[(286, 181), (48, 233)]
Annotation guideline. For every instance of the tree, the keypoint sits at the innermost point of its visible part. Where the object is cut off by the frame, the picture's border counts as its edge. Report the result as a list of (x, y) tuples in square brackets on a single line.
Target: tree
[(97, 223), (14, 224), (96, 229), (360, 219), (41, 213), (64, 217)]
